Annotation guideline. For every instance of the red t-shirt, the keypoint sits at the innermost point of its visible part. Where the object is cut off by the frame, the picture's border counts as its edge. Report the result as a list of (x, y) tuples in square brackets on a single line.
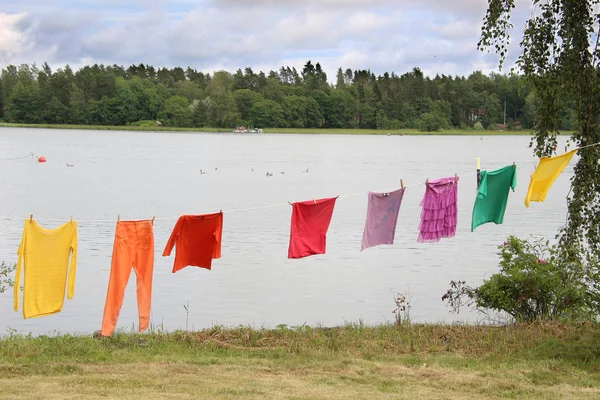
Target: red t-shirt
[(310, 221), (198, 240)]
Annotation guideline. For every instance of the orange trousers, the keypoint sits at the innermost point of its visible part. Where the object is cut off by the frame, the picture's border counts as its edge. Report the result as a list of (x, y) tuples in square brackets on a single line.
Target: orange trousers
[(133, 247)]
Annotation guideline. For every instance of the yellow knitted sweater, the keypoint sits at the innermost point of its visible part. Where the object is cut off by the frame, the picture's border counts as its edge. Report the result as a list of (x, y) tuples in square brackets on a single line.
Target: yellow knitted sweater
[(44, 254)]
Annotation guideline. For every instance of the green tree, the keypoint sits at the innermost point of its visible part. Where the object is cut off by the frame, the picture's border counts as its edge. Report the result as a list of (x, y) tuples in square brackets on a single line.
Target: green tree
[(224, 108), (199, 113), (61, 82), (116, 95), (109, 111), (127, 109), (314, 117), (245, 99), (273, 90), (295, 111), (490, 105), (559, 58), (267, 113), (188, 89), (55, 112), (339, 78), (77, 106), (23, 104), (8, 80), (340, 109), (147, 101), (176, 112)]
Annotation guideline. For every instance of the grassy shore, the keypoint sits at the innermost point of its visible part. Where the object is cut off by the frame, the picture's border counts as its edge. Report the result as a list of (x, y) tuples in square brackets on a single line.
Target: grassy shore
[(113, 128), (271, 130), (407, 132), (550, 361)]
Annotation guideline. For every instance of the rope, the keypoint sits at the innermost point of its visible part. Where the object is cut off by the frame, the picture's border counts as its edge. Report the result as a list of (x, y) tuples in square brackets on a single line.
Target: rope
[(112, 221), (586, 146), (17, 158)]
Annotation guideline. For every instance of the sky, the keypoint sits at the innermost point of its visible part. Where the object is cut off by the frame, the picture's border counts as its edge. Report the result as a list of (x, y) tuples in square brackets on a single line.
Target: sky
[(438, 36)]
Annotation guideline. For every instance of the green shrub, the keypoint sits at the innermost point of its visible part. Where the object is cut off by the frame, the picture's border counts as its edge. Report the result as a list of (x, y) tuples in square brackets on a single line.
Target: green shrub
[(5, 281), (433, 121), (478, 126), (535, 282)]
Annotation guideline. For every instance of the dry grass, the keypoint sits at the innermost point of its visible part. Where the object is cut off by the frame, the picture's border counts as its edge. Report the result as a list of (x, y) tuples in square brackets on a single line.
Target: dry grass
[(550, 361), (339, 379)]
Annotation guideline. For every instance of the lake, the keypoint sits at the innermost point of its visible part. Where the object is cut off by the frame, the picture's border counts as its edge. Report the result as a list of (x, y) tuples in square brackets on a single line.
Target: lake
[(138, 175)]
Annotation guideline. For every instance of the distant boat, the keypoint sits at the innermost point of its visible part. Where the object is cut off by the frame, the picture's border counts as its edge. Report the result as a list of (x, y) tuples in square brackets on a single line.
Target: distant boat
[(243, 129)]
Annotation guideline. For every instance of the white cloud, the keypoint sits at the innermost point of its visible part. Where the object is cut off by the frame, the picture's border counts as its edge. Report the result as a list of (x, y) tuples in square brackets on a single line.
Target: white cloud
[(262, 34), (14, 37)]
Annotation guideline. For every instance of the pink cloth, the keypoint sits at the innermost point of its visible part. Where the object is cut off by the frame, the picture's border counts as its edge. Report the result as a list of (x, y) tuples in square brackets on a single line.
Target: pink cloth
[(382, 216), (440, 209)]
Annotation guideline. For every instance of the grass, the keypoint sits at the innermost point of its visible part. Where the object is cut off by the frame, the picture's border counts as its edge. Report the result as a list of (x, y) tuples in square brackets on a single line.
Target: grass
[(400, 132), (271, 130), (114, 128), (550, 361)]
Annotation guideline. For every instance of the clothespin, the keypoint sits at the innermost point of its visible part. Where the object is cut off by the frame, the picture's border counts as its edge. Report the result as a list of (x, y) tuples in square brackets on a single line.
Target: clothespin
[(290, 203), (315, 201), (70, 218), (153, 220), (426, 181), (118, 218), (30, 217), (456, 177), (401, 183), (220, 211)]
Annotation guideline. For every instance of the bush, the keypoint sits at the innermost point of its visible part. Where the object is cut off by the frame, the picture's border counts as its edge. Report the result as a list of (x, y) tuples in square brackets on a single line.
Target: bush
[(535, 282), (432, 121), (464, 127), (5, 281), (385, 123), (478, 126)]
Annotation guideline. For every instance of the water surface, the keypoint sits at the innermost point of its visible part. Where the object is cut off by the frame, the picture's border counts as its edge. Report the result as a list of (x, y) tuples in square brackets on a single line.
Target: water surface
[(138, 175)]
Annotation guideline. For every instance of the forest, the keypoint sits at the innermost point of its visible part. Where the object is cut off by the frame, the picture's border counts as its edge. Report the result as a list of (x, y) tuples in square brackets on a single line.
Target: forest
[(142, 95)]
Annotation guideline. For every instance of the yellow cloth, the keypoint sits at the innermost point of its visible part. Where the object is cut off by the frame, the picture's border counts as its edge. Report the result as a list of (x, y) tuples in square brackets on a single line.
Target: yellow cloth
[(44, 254), (544, 176)]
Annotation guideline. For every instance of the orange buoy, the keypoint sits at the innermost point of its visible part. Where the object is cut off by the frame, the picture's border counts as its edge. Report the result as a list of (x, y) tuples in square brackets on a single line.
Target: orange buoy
[(42, 159)]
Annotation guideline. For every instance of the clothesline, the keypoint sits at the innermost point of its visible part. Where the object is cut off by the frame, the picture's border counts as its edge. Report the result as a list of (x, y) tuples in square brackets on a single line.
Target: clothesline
[(586, 146), (248, 208), (8, 218), (31, 155), (111, 221)]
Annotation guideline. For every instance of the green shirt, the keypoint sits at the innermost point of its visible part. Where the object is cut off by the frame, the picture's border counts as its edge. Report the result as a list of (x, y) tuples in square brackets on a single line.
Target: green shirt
[(492, 195)]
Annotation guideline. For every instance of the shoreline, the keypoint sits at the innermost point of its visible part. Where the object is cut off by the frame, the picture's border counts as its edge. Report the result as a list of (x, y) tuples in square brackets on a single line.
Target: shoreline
[(303, 131), (526, 361)]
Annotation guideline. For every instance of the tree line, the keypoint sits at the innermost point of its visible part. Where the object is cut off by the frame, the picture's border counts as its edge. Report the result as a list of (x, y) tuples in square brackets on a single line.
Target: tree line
[(142, 94)]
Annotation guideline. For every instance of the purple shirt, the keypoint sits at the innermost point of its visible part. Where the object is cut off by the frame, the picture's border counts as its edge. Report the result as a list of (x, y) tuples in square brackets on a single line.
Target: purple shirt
[(382, 216)]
